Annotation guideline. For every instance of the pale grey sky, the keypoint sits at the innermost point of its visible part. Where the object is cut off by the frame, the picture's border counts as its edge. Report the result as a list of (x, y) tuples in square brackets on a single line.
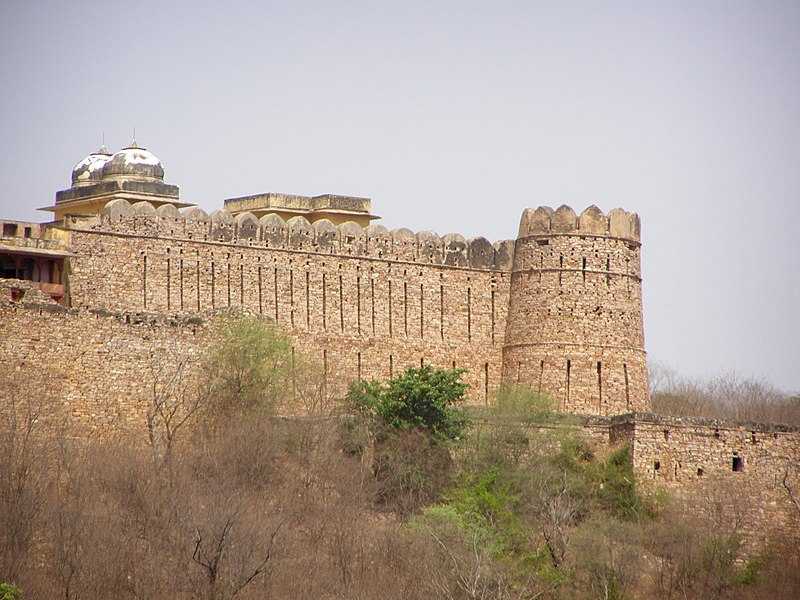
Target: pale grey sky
[(454, 116)]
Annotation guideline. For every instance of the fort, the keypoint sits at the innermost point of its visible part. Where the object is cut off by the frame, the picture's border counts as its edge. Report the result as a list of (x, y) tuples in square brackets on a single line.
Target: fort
[(126, 270)]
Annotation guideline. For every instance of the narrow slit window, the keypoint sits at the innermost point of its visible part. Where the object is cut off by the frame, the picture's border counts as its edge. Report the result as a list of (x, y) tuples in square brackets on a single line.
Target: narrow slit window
[(600, 383), (469, 314), (181, 273), (421, 311), (197, 254), (341, 305), (441, 312), (228, 276), (358, 305), (144, 280), (627, 387), (372, 301), (275, 290), (738, 463), (324, 303), (390, 308), (169, 281), (569, 369), (308, 300), (260, 292), (291, 297), (405, 308)]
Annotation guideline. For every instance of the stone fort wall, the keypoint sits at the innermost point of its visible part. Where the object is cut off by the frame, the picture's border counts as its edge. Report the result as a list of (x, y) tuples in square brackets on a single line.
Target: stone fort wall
[(99, 364), (558, 310), (363, 302)]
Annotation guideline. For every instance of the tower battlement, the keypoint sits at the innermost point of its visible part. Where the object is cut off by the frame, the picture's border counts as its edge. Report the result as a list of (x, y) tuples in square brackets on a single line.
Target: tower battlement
[(592, 221)]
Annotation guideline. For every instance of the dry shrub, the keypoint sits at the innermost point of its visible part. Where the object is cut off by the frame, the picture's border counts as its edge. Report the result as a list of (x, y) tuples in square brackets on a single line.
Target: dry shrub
[(259, 507), (725, 397), (411, 469)]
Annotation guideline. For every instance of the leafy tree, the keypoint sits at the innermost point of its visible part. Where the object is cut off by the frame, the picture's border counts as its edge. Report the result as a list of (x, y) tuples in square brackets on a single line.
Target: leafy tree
[(425, 398), (248, 367)]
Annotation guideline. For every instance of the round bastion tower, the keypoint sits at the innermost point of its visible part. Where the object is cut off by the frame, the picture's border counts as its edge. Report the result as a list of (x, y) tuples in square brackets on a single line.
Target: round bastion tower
[(574, 328)]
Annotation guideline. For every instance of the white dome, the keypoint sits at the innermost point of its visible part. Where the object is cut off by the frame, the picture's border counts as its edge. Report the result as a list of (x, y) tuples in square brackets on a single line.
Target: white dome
[(89, 170), (134, 162)]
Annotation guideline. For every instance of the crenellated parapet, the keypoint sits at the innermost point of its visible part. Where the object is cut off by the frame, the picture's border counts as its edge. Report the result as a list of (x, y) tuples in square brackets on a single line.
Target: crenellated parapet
[(299, 234), (543, 220)]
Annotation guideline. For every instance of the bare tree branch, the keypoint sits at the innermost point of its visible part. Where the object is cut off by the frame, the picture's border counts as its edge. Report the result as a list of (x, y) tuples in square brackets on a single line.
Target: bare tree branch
[(792, 496)]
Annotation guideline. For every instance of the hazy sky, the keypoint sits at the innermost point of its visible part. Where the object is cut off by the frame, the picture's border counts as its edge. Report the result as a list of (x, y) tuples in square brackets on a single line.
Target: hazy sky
[(455, 117)]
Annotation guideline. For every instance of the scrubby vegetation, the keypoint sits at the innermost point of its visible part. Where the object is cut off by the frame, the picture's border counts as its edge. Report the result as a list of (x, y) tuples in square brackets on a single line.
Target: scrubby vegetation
[(724, 397), (395, 493)]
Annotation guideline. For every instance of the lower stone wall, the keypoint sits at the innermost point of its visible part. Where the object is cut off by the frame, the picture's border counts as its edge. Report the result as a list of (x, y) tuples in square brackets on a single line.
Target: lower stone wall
[(692, 459), (734, 472), (99, 365)]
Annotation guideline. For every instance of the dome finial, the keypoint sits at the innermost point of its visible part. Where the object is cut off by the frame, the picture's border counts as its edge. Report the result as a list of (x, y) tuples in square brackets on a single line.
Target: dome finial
[(103, 148), (133, 142)]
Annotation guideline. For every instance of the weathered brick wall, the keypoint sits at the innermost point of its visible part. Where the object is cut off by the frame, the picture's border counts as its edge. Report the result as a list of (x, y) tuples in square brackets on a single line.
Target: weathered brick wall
[(574, 328), (102, 365), (693, 458), (364, 303)]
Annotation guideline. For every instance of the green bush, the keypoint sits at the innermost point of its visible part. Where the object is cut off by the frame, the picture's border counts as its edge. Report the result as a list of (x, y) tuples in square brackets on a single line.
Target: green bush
[(424, 399), (9, 592), (615, 487)]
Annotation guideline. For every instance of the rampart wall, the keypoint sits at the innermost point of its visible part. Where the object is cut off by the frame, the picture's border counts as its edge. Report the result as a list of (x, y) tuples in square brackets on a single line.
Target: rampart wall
[(364, 302)]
